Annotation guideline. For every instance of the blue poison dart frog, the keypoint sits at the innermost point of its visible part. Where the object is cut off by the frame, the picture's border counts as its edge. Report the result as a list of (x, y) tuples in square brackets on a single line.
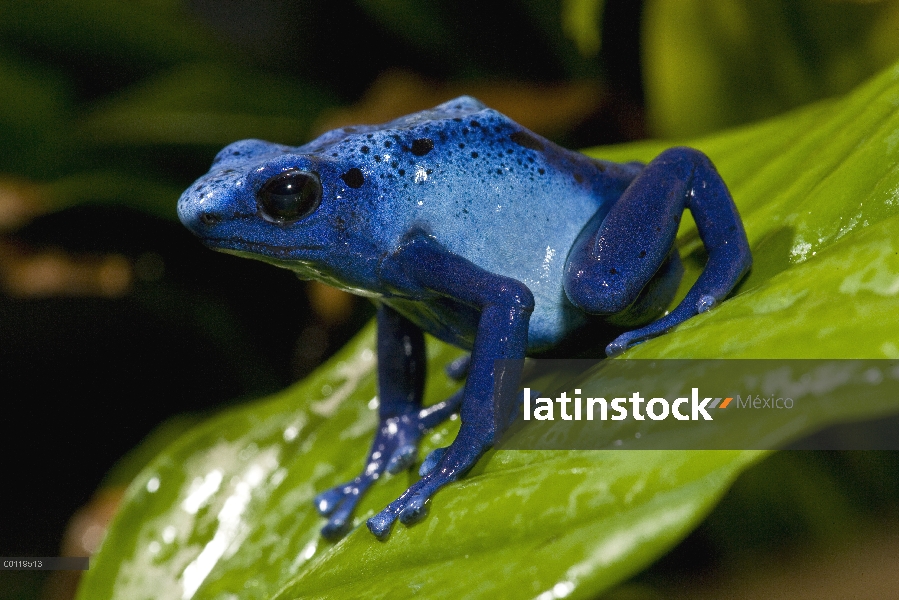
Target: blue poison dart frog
[(459, 222)]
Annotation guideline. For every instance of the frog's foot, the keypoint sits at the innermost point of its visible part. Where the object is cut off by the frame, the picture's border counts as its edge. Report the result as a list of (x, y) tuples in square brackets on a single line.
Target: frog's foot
[(394, 450), (338, 505), (435, 456), (656, 328), (442, 466)]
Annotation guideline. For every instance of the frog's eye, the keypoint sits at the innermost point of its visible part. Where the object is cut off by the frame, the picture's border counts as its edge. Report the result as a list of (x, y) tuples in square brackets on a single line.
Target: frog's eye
[(290, 196)]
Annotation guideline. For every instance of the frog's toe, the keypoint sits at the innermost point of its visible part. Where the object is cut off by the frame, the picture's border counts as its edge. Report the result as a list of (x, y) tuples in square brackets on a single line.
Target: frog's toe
[(336, 528), (409, 508), (438, 413), (381, 523), (616, 347), (431, 461), (705, 303), (415, 510), (628, 340), (328, 501), (458, 369), (402, 459), (338, 505)]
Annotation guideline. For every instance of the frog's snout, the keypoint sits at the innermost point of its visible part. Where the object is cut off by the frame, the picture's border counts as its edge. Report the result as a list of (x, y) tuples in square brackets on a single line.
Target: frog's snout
[(197, 213), (209, 201)]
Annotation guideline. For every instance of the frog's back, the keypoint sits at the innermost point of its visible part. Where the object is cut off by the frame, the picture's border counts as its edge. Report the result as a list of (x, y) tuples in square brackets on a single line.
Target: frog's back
[(486, 189)]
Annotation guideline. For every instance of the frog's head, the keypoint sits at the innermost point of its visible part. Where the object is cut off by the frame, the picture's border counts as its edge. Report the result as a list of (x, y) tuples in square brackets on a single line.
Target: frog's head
[(283, 205)]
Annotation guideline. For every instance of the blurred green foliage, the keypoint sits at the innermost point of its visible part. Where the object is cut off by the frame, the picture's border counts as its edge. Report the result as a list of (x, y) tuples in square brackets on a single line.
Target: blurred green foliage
[(712, 64)]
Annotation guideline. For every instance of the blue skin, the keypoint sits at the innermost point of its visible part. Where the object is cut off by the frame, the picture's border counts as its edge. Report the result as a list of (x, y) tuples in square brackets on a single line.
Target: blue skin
[(461, 223)]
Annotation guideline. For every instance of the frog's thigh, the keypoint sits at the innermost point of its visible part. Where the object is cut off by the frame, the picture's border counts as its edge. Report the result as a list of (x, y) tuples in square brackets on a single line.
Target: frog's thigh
[(614, 258)]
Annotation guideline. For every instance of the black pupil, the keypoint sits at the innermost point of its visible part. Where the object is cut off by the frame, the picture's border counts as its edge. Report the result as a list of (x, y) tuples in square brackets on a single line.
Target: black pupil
[(290, 196)]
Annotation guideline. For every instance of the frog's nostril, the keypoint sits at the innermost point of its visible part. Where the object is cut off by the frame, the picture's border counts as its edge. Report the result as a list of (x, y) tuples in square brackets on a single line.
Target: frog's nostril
[(210, 219)]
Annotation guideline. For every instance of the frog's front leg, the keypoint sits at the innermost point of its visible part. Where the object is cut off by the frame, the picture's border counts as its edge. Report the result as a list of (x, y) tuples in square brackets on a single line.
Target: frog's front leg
[(615, 257), (402, 420), (505, 306)]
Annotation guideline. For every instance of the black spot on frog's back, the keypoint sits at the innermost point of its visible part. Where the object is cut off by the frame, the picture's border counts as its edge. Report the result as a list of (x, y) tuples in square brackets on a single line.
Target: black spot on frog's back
[(422, 146), (353, 178)]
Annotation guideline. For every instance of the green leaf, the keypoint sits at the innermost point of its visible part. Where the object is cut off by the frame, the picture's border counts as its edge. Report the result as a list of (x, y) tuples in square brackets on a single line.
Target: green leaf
[(711, 64), (581, 20), (226, 511)]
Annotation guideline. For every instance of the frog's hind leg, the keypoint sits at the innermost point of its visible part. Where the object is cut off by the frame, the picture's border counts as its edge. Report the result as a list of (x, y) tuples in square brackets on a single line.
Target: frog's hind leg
[(615, 257)]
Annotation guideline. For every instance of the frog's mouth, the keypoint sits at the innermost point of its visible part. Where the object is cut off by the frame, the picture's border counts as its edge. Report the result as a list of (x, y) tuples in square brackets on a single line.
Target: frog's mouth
[(305, 267), (252, 249), (298, 258), (294, 264)]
